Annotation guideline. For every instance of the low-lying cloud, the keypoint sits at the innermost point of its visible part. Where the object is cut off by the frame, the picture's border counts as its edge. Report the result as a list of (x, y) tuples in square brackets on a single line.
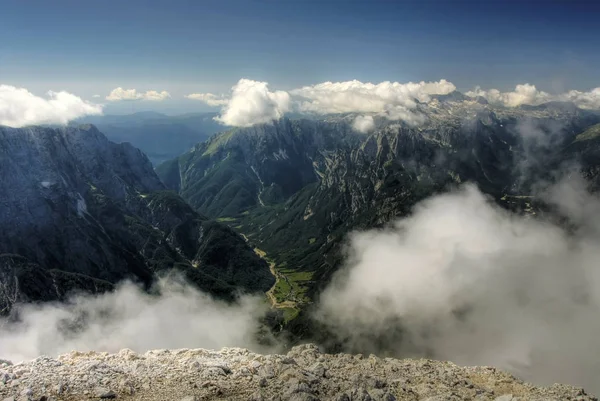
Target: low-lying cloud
[(463, 280), (364, 124), (19, 107), (120, 94), (180, 317)]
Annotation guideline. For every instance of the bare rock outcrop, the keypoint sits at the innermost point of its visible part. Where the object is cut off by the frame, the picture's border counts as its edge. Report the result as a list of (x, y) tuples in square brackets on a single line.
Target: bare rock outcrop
[(238, 374)]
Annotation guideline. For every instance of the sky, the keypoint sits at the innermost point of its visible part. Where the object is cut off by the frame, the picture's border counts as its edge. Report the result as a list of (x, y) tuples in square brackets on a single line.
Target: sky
[(181, 47)]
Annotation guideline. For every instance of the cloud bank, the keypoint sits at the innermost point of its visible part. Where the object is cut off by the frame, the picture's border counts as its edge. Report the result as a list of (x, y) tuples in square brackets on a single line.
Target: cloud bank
[(585, 100), (180, 317), (523, 94), (119, 94), (356, 96), (252, 102), (463, 280), (19, 107), (393, 100), (530, 95)]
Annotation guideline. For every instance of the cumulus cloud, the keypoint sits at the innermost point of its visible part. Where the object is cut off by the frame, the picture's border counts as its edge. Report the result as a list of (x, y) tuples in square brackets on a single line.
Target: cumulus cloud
[(208, 98), (180, 317), (523, 94), (364, 124), (585, 100), (252, 103), (463, 280), (529, 94), (119, 94), (391, 99), (156, 96), (19, 107), (356, 96)]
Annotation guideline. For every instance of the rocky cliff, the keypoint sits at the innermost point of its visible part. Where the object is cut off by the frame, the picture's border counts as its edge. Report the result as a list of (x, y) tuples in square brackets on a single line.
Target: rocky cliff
[(238, 374), (79, 212)]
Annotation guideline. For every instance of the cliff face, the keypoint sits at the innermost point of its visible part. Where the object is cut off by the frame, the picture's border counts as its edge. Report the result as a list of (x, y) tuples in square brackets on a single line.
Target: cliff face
[(80, 212), (238, 374)]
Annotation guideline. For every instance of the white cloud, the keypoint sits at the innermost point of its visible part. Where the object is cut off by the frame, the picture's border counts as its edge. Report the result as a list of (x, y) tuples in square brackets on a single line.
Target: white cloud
[(181, 317), (96, 96), (252, 103), (156, 96), (523, 94), (364, 124), (585, 100), (463, 280), (19, 107), (208, 98), (119, 94), (391, 99), (529, 94), (401, 113)]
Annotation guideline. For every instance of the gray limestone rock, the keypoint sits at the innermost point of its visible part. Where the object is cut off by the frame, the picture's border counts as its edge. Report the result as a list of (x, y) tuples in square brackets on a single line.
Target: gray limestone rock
[(350, 379)]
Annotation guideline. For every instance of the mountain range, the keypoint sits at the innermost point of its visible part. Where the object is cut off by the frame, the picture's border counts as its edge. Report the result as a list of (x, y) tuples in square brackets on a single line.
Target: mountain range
[(80, 212), (297, 187), (265, 208)]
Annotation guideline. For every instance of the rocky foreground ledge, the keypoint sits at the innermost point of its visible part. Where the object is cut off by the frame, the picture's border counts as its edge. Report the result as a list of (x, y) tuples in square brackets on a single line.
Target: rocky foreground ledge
[(304, 374)]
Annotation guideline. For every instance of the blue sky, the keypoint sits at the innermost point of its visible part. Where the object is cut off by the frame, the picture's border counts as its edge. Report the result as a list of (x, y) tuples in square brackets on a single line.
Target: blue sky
[(92, 47)]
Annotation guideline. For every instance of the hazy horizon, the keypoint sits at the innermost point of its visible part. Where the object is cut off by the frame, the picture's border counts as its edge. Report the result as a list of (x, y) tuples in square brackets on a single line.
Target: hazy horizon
[(161, 52)]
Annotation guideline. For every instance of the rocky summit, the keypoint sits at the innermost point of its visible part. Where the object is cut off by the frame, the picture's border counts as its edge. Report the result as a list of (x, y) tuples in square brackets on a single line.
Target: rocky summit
[(304, 374)]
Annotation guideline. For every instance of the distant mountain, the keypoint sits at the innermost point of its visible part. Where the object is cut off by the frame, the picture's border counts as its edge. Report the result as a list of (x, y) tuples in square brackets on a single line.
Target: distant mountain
[(124, 119), (160, 136), (297, 187), (81, 213)]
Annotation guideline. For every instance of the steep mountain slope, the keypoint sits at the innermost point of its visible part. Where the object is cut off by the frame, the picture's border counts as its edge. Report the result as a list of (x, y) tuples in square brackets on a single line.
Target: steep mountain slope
[(159, 136), (586, 149), (81, 212), (297, 187), (256, 166)]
